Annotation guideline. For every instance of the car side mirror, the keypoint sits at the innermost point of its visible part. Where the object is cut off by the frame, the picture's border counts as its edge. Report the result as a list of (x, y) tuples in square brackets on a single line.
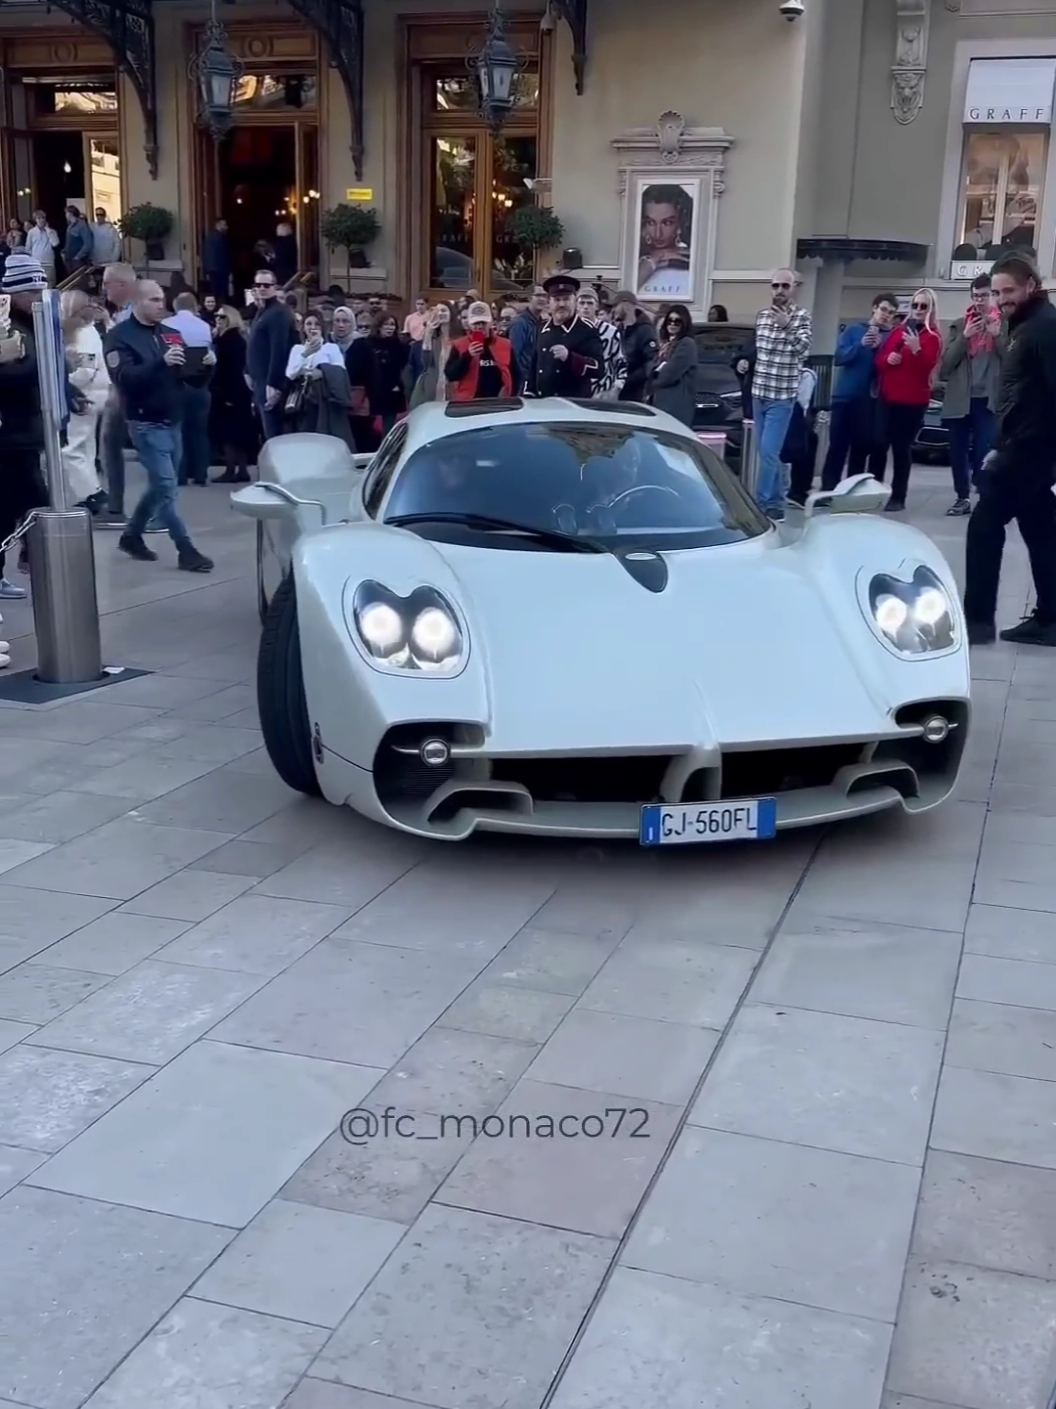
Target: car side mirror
[(860, 494), (265, 500)]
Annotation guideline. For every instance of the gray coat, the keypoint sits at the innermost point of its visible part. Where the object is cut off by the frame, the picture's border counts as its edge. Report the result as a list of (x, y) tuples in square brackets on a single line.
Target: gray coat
[(673, 385), (955, 373)]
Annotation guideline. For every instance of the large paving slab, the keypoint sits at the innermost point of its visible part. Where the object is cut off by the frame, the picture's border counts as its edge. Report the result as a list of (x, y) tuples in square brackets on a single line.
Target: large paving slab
[(296, 1112)]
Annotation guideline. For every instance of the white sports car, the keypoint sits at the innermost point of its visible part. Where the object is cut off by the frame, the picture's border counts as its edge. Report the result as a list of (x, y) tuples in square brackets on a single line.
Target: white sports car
[(568, 618)]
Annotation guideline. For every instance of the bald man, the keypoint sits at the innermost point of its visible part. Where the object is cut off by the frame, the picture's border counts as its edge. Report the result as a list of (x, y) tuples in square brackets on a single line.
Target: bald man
[(145, 362), (783, 334)]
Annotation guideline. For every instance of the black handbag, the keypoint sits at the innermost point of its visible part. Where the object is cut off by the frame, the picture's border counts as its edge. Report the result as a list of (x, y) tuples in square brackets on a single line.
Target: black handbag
[(294, 399)]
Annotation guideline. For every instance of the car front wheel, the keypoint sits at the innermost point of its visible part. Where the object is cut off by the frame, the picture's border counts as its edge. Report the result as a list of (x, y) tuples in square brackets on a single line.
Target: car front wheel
[(280, 693)]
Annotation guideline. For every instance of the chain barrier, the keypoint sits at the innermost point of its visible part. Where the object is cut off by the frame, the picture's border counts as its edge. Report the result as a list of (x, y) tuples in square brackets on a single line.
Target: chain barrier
[(20, 532)]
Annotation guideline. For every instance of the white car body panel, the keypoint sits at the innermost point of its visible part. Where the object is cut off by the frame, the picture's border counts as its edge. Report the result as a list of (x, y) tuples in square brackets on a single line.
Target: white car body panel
[(752, 648)]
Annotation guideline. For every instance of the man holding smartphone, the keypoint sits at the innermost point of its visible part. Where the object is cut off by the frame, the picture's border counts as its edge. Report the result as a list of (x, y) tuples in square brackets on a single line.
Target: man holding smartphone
[(853, 426), (145, 362), (480, 365), (783, 335), (971, 371)]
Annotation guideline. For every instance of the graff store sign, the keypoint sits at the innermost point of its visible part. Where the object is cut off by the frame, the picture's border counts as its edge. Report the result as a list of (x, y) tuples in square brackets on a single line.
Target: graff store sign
[(1010, 92), (965, 270)]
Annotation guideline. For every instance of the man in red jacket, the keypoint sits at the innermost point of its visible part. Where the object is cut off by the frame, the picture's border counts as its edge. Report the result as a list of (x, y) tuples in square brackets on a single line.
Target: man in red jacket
[(905, 367), (480, 366)]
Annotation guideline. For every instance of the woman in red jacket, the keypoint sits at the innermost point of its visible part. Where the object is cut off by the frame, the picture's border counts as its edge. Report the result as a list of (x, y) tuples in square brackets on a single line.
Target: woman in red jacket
[(906, 365), (480, 365)]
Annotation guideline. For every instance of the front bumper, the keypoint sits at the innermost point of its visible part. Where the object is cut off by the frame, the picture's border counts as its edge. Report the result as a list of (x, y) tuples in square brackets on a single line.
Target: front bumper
[(601, 795)]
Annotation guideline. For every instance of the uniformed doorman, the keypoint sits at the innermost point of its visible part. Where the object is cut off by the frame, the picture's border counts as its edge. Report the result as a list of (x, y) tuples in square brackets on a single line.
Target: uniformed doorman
[(569, 354)]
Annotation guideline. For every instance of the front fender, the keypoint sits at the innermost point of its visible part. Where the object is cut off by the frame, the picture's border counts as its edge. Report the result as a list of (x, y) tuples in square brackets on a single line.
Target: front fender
[(350, 701)]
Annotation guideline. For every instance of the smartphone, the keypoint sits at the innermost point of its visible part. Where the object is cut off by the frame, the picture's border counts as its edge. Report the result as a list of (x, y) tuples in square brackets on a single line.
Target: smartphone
[(477, 339)]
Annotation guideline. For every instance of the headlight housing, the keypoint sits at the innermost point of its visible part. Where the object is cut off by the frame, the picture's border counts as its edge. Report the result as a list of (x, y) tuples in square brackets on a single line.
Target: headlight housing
[(421, 634), (914, 618)]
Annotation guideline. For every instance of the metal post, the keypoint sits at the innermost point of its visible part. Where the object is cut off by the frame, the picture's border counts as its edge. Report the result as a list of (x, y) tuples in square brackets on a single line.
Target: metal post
[(714, 440), (750, 459), (823, 427), (59, 542)]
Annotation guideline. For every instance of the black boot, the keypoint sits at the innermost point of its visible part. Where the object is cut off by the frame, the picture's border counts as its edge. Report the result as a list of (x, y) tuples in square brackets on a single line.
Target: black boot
[(133, 545)]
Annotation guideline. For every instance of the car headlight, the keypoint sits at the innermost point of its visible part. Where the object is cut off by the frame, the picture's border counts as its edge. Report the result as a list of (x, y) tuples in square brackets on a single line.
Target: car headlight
[(421, 633), (914, 618)]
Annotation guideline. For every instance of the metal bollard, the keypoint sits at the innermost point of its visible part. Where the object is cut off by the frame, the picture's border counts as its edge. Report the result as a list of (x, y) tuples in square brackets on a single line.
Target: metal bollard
[(65, 608), (750, 459), (714, 440), (823, 429)]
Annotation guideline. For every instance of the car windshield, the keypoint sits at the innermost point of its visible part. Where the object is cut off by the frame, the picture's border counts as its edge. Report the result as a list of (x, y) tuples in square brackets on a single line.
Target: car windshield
[(614, 486)]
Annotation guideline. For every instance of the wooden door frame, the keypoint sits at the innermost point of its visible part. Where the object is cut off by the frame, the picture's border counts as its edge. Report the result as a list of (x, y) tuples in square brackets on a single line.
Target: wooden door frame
[(282, 47), (412, 264)]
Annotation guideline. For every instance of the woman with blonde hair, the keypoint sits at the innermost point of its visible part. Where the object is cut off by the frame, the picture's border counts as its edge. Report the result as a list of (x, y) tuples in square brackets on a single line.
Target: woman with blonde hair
[(88, 375), (906, 366), (436, 349)]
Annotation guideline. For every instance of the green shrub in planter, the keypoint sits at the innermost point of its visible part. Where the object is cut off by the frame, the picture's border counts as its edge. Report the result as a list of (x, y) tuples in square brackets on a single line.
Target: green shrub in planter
[(534, 227), (150, 223), (351, 228)]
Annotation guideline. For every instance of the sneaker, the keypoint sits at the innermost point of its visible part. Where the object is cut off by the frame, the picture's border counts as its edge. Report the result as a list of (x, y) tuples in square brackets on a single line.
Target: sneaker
[(155, 527), (981, 633), (959, 510), (190, 560), (895, 506), (1031, 631), (133, 545), (11, 592), (110, 519)]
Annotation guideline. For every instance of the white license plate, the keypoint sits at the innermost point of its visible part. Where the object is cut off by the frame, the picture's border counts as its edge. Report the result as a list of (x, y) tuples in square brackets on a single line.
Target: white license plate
[(709, 821)]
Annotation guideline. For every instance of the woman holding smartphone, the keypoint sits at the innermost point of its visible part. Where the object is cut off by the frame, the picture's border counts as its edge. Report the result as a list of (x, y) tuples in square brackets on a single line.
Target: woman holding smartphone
[(480, 365), (906, 366)]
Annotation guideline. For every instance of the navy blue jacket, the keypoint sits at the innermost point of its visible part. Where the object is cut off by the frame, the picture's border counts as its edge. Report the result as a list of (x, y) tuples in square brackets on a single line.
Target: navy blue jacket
[(150, 390), (857, 364), (216, 256), (271, 335)]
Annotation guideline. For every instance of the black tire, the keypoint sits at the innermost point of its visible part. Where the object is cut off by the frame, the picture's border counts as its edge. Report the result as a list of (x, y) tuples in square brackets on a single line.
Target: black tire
[(280, 694), (262, 596)]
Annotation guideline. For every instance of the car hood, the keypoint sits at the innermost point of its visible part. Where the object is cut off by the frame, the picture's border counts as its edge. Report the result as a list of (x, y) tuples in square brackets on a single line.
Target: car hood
[(745, 644), (762, 641)]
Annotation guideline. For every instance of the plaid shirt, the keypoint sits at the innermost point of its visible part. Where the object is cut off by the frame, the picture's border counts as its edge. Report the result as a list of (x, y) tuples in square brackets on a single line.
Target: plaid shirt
[(780, 354)]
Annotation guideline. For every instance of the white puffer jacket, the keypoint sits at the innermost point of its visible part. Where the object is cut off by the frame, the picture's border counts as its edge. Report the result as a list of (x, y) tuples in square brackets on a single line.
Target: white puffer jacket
[(88, 371)]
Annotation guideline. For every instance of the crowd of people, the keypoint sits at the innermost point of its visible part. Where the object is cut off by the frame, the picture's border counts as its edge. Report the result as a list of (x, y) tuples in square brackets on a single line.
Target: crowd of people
[(202, 381)]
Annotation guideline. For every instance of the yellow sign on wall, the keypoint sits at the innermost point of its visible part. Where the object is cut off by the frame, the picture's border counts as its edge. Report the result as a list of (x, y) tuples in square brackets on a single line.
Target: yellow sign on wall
[(359, 193)]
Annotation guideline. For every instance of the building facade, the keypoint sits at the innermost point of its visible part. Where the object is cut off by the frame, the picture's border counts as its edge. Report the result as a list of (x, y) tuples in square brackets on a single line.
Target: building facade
[(870, 143)]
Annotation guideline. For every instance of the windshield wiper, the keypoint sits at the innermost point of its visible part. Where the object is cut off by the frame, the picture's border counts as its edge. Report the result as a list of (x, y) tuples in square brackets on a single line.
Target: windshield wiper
[(563, 542)]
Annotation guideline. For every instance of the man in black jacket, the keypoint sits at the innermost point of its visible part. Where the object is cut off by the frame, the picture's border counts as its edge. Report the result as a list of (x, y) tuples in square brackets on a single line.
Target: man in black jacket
[(145, 361), (22, 486), (1017, 476), (640, 347), (271, 335), (569, 356)]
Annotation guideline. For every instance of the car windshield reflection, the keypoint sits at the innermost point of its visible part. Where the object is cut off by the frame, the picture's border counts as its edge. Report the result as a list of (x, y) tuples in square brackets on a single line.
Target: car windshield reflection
[(526, 486)]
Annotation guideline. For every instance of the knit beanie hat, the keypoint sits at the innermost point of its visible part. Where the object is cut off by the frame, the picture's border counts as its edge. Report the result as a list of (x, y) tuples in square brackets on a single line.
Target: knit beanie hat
[(23, 274)]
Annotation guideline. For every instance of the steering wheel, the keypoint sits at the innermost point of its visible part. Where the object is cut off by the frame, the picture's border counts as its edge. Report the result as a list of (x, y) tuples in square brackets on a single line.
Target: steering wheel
[(643, 489)]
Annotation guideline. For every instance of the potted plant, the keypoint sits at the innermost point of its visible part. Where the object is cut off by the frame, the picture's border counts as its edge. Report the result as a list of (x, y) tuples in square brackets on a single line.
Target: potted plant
[(352, 228), (149, 223), (534, 227)]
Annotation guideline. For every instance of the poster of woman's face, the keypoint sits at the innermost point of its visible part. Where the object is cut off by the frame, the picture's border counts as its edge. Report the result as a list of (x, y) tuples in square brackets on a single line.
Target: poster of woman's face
[(667, 212)]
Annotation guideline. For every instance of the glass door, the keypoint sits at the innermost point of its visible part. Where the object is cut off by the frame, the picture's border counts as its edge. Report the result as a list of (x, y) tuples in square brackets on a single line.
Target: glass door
[(473, 179), (18, 173)]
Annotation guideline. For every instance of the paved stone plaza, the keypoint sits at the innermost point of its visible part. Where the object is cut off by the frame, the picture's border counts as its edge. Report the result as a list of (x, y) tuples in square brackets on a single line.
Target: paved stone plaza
[(832, 1188)]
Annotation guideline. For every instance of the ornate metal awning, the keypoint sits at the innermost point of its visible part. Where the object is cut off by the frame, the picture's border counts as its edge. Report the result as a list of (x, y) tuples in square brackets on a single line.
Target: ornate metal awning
[(128, 26)]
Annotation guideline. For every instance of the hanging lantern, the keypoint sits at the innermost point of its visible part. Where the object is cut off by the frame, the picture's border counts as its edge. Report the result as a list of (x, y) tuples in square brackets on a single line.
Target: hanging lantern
[(216, 72), (496, 66)]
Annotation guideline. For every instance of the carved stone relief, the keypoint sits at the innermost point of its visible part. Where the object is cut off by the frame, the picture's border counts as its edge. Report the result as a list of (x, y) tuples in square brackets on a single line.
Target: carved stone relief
[(910, 68), (671, 142)]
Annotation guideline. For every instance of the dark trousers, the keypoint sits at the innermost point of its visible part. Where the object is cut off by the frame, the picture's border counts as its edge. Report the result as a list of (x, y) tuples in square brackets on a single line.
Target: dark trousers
[(1011, 492), (971, 440), (194, 462), (898, 427), (364, 437), (852, 430), (112, 439), (219, 286), (22, 488)]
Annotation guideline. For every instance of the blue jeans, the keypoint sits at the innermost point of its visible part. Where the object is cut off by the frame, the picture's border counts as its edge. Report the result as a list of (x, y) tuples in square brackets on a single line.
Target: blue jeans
[(159, 449), (194, 462), (771, 427), (971, 439)]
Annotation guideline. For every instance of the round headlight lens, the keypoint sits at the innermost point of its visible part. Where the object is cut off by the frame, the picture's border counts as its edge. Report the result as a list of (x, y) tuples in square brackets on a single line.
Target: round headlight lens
[(381, 627), (931, 606), (434, 636), (891, 614)]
